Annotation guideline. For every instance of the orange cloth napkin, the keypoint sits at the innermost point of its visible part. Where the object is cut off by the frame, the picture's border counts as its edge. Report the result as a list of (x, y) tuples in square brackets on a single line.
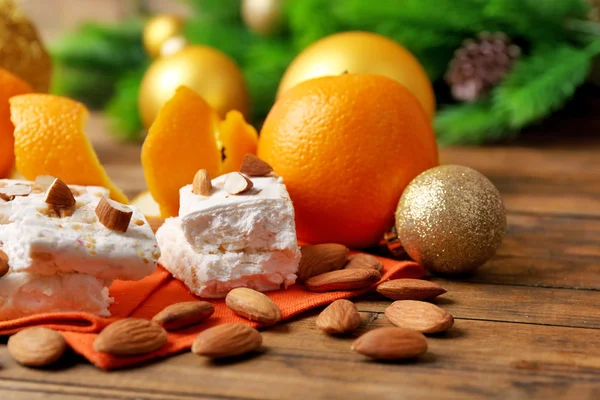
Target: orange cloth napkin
[(145, 298)]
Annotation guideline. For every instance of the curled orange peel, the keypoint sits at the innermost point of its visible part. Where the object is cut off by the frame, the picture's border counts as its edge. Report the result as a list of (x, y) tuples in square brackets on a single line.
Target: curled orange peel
[(50, 140), (188, 135)]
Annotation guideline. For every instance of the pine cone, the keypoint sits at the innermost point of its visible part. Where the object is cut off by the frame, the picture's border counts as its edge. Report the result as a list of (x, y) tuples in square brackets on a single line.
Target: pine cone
[(480, 64)]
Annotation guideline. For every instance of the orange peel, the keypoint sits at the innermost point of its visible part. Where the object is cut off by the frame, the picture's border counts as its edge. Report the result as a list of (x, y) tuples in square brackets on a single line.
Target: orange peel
[(50, 140), (188, 135), (10, 85)]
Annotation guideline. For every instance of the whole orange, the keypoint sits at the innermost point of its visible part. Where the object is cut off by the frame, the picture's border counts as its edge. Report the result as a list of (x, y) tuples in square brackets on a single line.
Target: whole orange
[(10, 85), (347, 146)]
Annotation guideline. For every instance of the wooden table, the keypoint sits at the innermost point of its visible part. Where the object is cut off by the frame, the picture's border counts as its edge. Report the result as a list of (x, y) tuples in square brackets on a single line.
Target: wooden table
[(527, 323)]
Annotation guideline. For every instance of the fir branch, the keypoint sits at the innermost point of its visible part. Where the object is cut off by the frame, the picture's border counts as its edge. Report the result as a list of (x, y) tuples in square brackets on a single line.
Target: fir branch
[(231, 39), (89, 86), (310, 20), (122, 110), (102, 48), (224, 11), (542, 82), (470, 123), (264, 66)]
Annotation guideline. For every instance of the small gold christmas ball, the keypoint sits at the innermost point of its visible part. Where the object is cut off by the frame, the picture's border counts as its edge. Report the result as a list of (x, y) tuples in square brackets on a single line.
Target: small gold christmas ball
[(451, 219), (361, 52), (208, 71), (21, 49), (158, 30), (264, 17)]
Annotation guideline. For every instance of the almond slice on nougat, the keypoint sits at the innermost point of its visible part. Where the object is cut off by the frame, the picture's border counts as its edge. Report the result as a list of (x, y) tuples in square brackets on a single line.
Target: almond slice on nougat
[(59, 194), (113, 215), (236, 183), (254, 166)]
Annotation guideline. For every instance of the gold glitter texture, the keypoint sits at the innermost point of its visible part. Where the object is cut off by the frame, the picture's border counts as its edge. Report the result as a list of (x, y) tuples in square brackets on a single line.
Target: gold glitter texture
[(451, 219), (21, 50)]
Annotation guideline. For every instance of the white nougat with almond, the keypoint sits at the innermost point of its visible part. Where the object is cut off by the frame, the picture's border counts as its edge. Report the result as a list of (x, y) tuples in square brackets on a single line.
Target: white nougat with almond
[(223, 241), (66, 262)]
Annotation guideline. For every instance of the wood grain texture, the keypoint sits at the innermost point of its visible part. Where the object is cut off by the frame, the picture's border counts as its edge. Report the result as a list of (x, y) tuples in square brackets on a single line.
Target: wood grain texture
[(474, 359)]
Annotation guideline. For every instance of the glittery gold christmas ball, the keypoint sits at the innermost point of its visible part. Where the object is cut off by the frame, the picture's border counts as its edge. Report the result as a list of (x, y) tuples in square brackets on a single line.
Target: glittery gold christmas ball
[(21, 49), (451, 219), (208, 71), (158, 30), (361, 52), (264, 17)]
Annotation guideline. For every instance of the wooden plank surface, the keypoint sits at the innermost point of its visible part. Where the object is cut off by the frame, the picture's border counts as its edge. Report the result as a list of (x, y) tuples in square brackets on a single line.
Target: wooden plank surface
[(527, 323)]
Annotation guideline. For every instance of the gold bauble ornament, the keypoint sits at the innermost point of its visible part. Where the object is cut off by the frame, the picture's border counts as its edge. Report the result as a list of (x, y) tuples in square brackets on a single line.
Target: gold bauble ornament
[(208, 71), (21, 49), (451, 219), (158, 30), (361, 52), (264, 17)]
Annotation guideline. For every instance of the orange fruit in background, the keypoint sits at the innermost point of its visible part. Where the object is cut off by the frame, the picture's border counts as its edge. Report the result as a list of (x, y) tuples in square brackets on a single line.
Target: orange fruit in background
[(10, 85), (50, 140), (347, 146), (188, 135)]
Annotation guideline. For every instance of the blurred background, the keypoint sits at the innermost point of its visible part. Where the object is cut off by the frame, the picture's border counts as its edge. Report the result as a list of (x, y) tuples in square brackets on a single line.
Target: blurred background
[(484, 70)]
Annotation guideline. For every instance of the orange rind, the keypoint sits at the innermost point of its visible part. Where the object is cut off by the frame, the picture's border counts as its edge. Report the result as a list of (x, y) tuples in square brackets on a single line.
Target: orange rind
[(188, 135), (50, 140), (10, 85)]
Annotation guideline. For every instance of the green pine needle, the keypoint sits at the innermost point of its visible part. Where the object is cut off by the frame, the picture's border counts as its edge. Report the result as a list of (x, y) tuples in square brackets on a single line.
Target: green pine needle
[(122, 110), (470, 123), (541, 83)]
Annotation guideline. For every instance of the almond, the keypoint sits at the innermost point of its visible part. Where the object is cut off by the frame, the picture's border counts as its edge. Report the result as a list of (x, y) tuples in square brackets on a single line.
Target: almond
[(227, 340), (364, 261), (236, 183), (202, 184), (130, 336), (341, 316), (4, 266), (253, 305), (390, 344), (36, 347), (254, 166), (344, 279), (59, 194), (321, 258), (180, 315), (419, 316), (8, 193), (410, 289), (113, 215)]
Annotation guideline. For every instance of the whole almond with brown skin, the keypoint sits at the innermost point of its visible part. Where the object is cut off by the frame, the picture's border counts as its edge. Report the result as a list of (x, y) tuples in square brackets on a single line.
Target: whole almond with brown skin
[(130, 336), (202, 184), (343, 279), (4, 266), (391, 344), (180, 315), (410, 289), (254, 166), (227, 340), (321, 258), (36, 347), (419, 316), (339, 317), (364, 261), (253, 305)]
